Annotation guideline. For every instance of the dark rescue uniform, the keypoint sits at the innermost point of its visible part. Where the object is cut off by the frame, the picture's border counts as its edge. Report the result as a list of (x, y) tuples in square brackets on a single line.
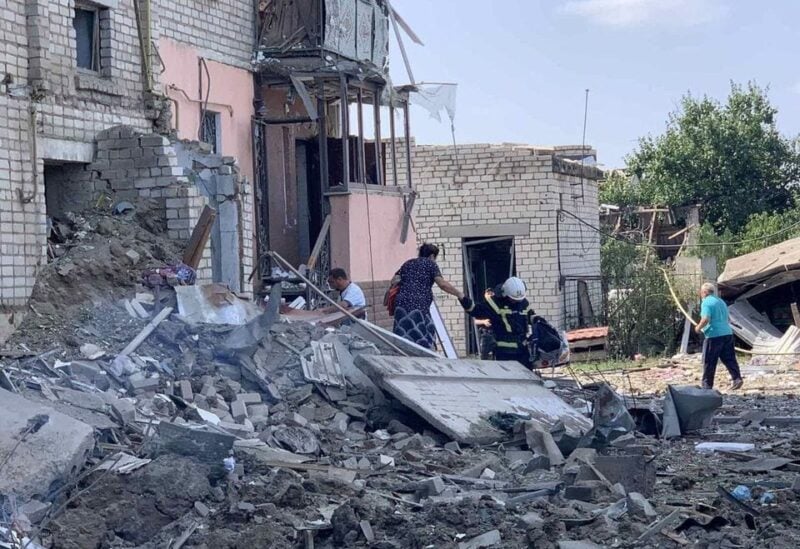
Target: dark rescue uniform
[(511, 321)]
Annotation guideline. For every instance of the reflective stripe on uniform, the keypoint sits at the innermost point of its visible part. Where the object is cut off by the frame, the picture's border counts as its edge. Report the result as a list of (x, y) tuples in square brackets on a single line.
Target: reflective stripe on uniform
[(503, 313), (508, 344)]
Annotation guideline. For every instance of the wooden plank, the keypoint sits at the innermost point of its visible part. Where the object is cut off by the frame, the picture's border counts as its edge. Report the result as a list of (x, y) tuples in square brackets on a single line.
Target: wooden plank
[(199, 238), (323, 234), (146, 331)]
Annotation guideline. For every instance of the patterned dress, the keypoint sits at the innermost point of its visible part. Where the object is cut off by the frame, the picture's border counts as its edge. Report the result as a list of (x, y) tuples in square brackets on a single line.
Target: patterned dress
[(412, 316)]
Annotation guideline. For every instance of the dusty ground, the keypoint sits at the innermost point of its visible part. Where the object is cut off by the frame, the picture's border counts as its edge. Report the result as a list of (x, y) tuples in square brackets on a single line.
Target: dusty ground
[(261, 504)]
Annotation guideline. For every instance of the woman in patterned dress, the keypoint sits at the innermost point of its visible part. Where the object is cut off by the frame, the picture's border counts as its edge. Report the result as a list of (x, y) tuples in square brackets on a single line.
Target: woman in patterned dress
[(412, 317)]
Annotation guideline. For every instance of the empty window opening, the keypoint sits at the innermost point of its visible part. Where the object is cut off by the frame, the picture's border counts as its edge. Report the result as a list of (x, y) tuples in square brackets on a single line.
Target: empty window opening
[(87, 37), (210, 130)]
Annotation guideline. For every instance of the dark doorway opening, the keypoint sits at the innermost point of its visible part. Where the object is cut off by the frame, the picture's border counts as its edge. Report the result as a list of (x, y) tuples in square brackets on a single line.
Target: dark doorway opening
[(488, 262)]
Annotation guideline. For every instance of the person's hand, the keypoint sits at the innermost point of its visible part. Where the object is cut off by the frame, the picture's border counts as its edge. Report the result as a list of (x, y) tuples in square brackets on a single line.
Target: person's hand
[(465, 302), (698, 330)]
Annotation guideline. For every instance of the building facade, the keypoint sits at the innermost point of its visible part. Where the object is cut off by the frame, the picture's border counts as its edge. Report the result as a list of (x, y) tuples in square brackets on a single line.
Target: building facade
[(501, 210), (99, 99)]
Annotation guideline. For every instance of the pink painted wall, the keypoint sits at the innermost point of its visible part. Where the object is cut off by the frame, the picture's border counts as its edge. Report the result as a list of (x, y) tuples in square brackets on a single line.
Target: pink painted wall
[(352, 229), (231, 95)]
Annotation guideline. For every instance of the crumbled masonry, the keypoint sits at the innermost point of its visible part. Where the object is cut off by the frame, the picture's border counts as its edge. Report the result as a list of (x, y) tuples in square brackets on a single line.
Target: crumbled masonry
[(218, 436)]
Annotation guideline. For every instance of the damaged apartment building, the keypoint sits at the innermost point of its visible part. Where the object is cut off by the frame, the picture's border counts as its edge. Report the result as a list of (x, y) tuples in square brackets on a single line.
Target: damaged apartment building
[(259, 110), (328, 194), (105, 101), (512, 210)]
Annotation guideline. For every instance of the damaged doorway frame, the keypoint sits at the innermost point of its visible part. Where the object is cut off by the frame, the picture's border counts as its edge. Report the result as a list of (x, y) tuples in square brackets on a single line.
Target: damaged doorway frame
[(467, 247)]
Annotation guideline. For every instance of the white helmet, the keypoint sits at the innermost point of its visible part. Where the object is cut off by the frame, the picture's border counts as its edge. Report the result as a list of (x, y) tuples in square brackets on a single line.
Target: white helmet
[(514, 288)]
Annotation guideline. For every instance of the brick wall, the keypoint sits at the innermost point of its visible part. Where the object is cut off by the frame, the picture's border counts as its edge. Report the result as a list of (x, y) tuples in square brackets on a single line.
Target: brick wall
[(376, 312), (502, 184), (224, 30), (47, 97)]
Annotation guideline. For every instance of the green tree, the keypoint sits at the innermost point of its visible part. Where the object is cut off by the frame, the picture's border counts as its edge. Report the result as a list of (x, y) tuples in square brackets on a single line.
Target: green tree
[(728, 158), (766, 228)]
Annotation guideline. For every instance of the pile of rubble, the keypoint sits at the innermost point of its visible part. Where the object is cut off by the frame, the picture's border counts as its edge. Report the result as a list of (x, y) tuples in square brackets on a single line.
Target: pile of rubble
[(172, 422)]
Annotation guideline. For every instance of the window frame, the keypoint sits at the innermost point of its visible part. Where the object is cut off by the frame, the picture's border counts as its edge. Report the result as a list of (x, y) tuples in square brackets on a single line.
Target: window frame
[(96, 61)]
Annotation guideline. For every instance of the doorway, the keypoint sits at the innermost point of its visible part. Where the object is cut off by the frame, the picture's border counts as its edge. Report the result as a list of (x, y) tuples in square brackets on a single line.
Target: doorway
[(488, 262)]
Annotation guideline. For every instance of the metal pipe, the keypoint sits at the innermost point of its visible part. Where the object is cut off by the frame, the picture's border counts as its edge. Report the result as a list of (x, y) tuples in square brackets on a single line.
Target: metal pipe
[(393, 143), (32, 120), (407, 129), (345, 122), (376, 105), (362, 153)]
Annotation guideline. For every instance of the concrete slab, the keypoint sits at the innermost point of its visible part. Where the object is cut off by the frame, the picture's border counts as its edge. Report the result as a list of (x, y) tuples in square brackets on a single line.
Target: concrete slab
[(322, 365), (457, 396), (44, 459)]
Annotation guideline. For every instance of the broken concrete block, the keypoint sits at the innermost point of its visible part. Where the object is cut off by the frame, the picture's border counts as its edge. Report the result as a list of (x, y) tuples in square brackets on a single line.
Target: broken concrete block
[(238, 411), (452, 446), (339, 422), (250, 398), (208, 390), (489, 539), (50, 454), (240, 430), (639, 507), (207, 446), (91, 351), (257, 411), (245, 507), (431, 487), (124, 409), (133, 256), (35, 510), (634, 472), (585, 491), (542, 443), (580, 544), (350, 463), (201, 509), (139, 383), (488, 474), (185, 390), (385, 461), (308, 411), (296, 419), (530, 521), (364, 463)]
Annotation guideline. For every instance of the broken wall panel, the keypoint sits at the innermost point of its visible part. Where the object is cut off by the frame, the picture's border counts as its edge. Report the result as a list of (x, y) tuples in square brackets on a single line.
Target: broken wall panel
[(458, 396)]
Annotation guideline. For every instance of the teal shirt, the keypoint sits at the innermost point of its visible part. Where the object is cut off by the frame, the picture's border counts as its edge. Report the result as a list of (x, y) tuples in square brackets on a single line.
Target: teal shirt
[(716, 311)]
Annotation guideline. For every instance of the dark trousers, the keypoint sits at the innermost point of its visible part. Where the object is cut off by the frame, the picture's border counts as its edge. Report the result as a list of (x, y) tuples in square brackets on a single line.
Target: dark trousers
[(715, 349), (520, 355)]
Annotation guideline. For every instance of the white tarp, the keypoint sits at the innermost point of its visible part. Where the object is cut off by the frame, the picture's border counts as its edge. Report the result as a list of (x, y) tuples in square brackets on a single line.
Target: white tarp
[(436, 98)]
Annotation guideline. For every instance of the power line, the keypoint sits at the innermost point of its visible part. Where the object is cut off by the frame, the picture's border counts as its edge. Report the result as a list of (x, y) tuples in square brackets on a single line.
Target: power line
[(697, 245)]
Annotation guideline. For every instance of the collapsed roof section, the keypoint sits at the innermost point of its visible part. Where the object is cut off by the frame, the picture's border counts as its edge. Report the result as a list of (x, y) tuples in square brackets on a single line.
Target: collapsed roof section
[(747, 272)]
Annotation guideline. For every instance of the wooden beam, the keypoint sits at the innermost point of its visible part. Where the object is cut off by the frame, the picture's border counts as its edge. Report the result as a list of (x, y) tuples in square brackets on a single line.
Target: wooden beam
[(323, 234), (409, 207), (199, 238), (146, 331)]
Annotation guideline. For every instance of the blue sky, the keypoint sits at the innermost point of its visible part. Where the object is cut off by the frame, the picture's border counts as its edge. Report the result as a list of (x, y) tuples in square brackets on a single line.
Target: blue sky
[(522, 65)]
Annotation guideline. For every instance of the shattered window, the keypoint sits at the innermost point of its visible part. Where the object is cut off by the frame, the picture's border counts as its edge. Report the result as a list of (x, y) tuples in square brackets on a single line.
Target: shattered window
[(209, 130), (87, 38)]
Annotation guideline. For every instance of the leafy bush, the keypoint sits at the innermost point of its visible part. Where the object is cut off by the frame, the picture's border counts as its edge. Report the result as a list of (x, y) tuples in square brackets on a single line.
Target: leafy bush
[(642, 315)]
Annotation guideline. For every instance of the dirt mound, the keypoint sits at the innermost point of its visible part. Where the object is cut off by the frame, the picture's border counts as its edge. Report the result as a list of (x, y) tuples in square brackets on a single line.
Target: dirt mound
[(132, 509)]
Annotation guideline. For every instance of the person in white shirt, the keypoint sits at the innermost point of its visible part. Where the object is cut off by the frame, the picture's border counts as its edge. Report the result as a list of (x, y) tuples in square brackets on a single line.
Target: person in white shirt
[(351, 296)]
